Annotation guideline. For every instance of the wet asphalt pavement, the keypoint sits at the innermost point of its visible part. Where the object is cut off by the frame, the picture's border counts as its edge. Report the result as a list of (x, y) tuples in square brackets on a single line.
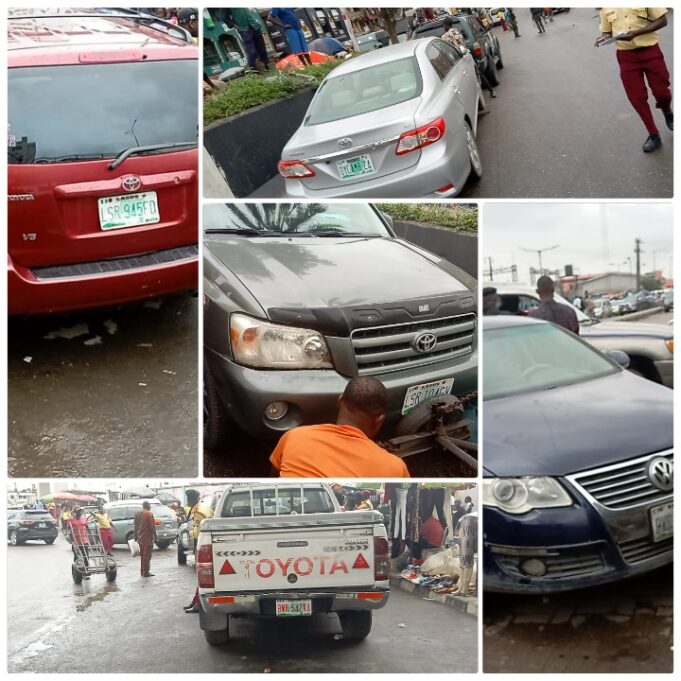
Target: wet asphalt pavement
[(137, 625), (102, 393), (561, 125), (625, 627)]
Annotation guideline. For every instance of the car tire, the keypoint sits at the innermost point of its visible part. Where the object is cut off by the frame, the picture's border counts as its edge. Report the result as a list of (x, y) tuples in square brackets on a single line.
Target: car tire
[(491, 72), (181, 555), (50, 541), (419, 417), (216, 424), (111, 575), (500, 61), (163, 545), (219, 637), (77, 576), (14, 538), (356, 624), (473, 152)]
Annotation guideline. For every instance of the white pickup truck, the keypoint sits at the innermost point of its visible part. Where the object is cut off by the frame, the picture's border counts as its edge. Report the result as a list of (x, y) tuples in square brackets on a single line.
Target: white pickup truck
[(287, 550)]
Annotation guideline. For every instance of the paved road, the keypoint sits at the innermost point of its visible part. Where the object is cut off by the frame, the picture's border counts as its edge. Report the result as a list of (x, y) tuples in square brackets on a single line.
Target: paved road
[(660, 318), (561, 125), (138, 625), (123, 406), (619, 628)]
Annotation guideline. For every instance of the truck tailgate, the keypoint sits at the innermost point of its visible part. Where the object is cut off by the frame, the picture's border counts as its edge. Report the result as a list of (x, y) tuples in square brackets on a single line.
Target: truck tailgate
[(282, 554)]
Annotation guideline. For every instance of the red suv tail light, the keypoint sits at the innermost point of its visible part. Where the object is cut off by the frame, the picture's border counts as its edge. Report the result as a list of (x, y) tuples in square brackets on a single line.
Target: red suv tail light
[(204, 566), (421, 137), (477, 50), (294, 170), (381, 559)]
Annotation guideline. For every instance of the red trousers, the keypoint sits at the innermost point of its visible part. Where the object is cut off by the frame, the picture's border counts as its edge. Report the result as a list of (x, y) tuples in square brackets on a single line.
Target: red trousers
[(107, 537), (145, 557), (635, 67)]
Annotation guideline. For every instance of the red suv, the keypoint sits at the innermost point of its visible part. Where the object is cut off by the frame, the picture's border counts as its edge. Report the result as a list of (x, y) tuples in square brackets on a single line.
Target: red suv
[(103, 159)]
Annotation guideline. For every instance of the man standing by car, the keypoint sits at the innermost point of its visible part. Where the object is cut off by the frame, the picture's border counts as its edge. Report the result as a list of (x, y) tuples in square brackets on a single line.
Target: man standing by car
[(105, 527), (145, 534), (640, 58), (551, 311), (343, 449)]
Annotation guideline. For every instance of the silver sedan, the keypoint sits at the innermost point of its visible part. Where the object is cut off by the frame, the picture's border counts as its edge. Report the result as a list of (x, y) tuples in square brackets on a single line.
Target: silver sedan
[(397, 122)]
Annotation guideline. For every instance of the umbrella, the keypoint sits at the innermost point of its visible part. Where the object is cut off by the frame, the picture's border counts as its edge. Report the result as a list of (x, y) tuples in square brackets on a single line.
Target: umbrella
[(167, 498), (47, 498), (140, 491), (72, 496)]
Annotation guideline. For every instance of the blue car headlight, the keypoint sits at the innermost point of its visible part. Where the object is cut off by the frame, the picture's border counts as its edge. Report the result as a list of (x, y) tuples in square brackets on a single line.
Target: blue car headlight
[(520, 495)]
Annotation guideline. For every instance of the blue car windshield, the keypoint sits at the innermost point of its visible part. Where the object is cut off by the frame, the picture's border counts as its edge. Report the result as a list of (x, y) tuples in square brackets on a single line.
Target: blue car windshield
[(536, 357)]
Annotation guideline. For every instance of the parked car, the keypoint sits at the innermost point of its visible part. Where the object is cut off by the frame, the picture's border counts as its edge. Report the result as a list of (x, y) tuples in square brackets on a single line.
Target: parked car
[(395, 122), (299, 298), (571, 441), (103, 175), (28, 525), (646, 300), (373, 41), (668, 300), (287, 550), (602, 308), (481, 41), (122, 514), (650, 346)]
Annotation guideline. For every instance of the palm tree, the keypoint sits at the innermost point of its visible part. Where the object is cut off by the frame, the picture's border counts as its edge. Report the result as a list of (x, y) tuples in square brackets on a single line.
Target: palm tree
[(276, 217)]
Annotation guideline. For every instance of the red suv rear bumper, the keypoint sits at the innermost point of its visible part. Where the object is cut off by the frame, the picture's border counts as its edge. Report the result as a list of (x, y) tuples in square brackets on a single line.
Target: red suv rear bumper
[(30, 294)]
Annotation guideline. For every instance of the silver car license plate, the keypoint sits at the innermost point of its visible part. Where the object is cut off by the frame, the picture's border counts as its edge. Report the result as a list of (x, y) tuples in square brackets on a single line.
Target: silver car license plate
[(662, 521), (354, 167)]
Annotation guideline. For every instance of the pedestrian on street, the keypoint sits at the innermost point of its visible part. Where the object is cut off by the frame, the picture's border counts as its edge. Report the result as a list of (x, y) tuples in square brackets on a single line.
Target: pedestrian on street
[(491, 301), (145, 534), (77, 523), (285, 18), (345, 448), (105, 527), (501, 15), (551, 311), (538, 18), (431, 536), (577, 302), (640, 58), (200, 510), (548, 13), (468, 546), (512, 21), (247, 22)]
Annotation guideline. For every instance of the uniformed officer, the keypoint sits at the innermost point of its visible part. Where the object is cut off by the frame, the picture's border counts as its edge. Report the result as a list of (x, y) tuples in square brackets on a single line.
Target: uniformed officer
[(639, 56)]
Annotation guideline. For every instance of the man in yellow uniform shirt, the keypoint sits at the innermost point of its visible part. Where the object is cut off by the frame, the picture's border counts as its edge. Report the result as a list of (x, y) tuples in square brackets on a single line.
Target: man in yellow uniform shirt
[(640, 59)]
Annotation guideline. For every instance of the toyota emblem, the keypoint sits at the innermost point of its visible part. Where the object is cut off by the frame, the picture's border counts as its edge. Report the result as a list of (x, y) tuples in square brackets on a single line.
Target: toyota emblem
[(344, 143), (661, 473), (131, 183), (424, 342)]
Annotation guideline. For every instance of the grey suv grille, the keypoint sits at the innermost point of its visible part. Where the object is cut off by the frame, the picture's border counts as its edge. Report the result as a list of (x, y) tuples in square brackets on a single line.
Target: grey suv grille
[(622, 485), (390, 348)]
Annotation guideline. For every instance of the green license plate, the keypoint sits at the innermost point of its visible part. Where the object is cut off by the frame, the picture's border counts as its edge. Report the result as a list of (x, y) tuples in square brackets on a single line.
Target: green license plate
[(301, 608), (131, 210), (354, 167)]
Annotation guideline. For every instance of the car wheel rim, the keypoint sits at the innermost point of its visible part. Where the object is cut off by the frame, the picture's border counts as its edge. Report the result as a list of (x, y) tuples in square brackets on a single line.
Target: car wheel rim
[(473, 150), (13, 538)]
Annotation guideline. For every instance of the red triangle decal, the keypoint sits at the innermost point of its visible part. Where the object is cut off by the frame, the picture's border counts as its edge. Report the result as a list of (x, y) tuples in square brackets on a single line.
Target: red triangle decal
[(360, 562), (227, 569)]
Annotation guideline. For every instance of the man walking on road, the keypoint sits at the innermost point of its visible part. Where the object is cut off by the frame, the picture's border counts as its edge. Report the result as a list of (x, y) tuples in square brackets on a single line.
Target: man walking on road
[(538, 18), (551, 311), (145, 533), (640, 58)]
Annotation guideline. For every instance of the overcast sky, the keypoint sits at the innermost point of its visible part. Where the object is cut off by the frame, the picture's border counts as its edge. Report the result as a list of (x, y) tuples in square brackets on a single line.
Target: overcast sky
[(592, 237)]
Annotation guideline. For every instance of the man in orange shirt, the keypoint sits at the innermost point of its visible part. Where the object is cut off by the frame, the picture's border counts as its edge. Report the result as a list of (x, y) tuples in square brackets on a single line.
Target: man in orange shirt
[(343, 449)]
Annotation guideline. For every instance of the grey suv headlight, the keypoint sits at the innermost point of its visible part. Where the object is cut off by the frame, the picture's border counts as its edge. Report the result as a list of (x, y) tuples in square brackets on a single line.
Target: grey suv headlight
[(520, 495), (257, 343)]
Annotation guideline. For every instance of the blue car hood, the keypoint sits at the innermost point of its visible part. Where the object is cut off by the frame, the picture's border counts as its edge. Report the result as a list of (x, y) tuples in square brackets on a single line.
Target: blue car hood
[(572, 428)]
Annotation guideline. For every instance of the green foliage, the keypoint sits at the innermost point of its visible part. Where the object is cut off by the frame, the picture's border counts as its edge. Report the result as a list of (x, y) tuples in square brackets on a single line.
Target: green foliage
[(253, 90), (453, 216)]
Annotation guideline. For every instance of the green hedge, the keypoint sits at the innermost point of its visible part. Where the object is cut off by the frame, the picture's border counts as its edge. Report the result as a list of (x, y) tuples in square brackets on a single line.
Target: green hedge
[(253, 90), (462, 219)]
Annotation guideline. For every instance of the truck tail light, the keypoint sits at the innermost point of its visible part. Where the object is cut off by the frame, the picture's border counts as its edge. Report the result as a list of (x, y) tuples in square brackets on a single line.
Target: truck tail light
[(477, 50), (294, 170), (421, 137), (204, 566), (381, 559)]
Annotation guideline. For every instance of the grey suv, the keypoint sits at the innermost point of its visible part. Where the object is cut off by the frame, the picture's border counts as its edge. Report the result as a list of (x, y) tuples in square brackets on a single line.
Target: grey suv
[(299, 298), (122, 514)]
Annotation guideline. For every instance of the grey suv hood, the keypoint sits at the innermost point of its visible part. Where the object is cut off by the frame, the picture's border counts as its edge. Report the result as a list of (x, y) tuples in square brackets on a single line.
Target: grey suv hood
[(309, 272)]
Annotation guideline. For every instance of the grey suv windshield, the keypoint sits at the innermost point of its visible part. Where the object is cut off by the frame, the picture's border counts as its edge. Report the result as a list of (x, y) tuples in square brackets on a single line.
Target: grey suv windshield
[(72, 113), (529, 358), (311, 219)]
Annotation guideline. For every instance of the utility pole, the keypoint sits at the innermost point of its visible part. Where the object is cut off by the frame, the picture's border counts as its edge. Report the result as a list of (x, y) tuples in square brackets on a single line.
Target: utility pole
[(539, 251), (491, 269), (637, 250)]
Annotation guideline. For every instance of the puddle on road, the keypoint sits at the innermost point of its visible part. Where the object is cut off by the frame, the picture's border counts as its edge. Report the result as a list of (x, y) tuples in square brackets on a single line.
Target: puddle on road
[(89, 599)]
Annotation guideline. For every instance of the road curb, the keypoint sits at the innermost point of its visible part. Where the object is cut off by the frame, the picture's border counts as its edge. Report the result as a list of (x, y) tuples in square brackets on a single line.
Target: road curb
[(465, 604), (633, 316)]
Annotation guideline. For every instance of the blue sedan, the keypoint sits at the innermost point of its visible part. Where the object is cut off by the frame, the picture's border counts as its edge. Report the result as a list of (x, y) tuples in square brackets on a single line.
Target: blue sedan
[(578, 462)]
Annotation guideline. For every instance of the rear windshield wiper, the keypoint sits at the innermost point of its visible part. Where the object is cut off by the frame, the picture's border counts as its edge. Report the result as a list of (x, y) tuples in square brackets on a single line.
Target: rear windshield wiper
[(245, 232), (142, 149)]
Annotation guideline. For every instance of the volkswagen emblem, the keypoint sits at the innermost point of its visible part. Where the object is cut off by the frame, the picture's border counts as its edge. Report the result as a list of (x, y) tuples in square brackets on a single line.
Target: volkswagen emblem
[(131, 183), (424, 342), (344, 143), (661, 473)]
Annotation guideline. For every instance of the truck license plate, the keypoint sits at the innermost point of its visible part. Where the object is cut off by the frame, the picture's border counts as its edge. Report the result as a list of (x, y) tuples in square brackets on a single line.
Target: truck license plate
[(131, 210), (353, 167), (301, 608), (417, 394), (662, 521)]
